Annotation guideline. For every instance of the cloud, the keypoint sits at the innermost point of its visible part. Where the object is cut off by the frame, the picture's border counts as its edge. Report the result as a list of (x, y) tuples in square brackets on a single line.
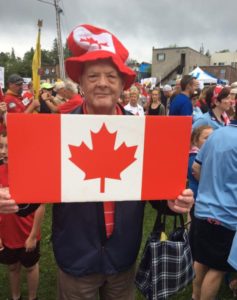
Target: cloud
[(139, 24)]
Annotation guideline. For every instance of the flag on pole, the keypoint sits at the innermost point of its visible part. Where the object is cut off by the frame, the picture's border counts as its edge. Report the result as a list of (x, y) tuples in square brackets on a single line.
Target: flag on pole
[(36, 63), (77, 158)]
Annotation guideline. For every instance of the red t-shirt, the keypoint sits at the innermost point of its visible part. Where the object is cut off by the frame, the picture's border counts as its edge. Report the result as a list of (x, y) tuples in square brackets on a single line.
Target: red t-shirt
[(70, 105), (15, 103), (14, 230)]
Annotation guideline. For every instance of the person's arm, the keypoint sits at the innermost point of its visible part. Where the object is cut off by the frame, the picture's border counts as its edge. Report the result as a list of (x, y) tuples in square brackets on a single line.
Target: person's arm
[(196, 168), (7, 205), (183, 203), (162, 110), (48, 100), (34, 105), (31, 241), (51, 106), (3, 108), (1, 245)]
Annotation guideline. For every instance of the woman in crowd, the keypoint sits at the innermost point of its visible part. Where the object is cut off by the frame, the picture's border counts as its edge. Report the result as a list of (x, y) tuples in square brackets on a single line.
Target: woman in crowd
[(156, 108), (219, 102)]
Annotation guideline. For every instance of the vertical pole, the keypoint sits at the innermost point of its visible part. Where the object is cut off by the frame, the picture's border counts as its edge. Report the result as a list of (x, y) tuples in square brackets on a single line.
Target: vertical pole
[(59, 41)]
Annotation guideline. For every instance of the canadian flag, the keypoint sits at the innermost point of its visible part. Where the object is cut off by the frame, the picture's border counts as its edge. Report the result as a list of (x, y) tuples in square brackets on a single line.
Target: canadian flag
[(74, 158)]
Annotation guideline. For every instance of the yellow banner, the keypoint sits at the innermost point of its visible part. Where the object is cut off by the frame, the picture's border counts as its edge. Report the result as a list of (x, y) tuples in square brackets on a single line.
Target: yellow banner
[(36, 64)]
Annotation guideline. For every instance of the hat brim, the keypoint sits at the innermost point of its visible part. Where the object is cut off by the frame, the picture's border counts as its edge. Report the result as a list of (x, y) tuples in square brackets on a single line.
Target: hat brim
[(16, 82), (74, 66)]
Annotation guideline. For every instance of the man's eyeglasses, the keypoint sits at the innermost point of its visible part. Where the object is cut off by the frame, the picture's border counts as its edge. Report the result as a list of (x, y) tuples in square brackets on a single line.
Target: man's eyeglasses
[(19, 84)]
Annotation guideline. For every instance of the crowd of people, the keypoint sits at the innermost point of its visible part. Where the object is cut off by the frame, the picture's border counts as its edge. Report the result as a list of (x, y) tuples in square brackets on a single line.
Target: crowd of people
[(98, 258)]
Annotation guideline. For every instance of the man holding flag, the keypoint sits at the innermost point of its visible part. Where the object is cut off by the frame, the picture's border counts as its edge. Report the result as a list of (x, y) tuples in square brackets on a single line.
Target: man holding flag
[(96, 243)]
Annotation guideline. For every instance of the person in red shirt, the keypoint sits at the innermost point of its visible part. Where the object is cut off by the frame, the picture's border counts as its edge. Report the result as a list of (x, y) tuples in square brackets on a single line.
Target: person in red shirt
[(13, 99), (70, 92), (19, 238)]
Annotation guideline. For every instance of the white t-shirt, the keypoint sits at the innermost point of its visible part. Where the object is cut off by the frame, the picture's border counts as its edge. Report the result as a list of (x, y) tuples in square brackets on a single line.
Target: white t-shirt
[(135, 110)]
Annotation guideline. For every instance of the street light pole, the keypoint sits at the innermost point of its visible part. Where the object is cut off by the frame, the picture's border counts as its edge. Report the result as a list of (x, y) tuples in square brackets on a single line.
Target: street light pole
[(59, 36)]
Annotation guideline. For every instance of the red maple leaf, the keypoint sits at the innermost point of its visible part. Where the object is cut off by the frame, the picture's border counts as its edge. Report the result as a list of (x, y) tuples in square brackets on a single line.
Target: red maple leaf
[(102, 161), (92, 41)]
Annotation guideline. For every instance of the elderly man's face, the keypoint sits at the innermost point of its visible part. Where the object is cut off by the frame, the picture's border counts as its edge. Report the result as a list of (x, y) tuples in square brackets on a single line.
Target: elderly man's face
[(102, 86)]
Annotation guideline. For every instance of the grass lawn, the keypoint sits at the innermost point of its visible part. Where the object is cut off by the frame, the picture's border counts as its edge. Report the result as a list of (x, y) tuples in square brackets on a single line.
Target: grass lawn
[(47, 288)]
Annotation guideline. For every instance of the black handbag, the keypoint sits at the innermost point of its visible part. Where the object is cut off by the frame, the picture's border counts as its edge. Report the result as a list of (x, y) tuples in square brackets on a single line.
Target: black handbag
[(166, 265)]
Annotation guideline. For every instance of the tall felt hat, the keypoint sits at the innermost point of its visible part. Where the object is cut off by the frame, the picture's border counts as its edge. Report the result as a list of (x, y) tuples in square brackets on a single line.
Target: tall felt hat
[(89, 43)]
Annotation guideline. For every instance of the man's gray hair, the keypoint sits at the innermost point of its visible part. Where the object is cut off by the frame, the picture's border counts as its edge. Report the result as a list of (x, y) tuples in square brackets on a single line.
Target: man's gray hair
[(59, 85), (71, 86)]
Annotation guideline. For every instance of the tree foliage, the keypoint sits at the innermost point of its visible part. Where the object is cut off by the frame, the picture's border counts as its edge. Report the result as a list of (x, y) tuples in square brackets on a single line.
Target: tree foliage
[(23, 66), (223, 51)]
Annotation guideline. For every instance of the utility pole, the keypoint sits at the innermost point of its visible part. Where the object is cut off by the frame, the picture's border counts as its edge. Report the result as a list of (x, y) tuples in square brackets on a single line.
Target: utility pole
[(59, 36), (60, 45)]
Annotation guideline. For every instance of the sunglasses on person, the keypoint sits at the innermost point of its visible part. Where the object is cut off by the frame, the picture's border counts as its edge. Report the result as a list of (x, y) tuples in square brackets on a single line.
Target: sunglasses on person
[(19, 83)]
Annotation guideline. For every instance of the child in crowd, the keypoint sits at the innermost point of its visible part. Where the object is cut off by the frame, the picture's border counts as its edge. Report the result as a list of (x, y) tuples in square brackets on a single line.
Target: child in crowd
[(19, 238), (198, 138)]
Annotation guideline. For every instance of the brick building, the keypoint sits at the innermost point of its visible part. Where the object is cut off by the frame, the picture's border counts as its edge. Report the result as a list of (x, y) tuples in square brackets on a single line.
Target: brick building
[(222, 72)]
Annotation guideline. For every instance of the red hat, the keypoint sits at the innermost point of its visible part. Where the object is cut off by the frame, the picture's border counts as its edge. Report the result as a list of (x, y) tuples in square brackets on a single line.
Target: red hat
[(89, 43)]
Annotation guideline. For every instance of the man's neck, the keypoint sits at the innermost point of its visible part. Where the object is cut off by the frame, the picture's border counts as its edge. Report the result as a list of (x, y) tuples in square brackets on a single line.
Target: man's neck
[(12, 93), (217, 112), (186, 93), (133, 104), (100, 110)]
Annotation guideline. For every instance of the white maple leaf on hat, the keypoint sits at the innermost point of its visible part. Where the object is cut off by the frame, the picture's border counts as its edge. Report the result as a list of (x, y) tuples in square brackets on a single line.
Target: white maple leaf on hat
[(93, 42)]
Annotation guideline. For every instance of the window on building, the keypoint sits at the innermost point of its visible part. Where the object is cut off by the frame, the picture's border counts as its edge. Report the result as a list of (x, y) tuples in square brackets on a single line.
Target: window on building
[(214, 64), (161, 56), (221, 64), (222, 73)]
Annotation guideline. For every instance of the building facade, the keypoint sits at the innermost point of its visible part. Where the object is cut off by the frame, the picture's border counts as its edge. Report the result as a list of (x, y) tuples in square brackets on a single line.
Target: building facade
[(167, 63), (227, 74), (224, 59)]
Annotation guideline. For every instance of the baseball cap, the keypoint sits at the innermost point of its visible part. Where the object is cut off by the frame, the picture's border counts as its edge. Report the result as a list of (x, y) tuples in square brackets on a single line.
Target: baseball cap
[(90, 43), (15, 78), (46, 86)]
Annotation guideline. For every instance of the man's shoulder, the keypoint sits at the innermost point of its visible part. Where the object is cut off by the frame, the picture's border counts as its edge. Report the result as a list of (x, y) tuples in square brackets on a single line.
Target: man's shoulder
[(181, 98), (127, 106), (10, 97)]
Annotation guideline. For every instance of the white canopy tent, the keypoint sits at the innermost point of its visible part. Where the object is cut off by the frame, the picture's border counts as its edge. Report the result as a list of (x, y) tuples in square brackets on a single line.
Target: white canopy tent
[(202, 76)]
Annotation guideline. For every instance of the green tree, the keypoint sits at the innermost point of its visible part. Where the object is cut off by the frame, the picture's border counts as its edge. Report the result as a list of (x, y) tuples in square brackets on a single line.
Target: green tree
[(223, 51), (208, 53)]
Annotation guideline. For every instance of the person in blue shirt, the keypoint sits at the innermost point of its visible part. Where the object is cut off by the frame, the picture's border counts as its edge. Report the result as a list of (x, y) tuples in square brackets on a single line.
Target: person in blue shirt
[(215, 211), (181, 105)]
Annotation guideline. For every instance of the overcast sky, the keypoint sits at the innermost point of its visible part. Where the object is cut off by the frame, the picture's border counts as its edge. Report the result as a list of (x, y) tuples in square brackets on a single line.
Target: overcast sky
[(139, 24)]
